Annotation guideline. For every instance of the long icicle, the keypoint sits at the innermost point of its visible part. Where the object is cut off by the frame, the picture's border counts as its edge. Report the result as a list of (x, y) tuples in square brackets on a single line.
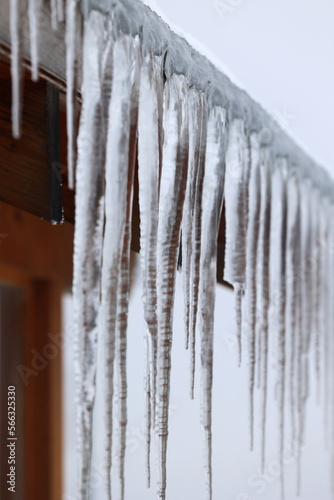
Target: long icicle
[(322, 274), (292, 303), (305, 318), (277, 289), (123, 299), (191, 222), (212, 202), (87, 242), (116, 199), (149, 152), (172, 191), (317, 295), (189, 202), (327, 324), (324, 227), (235, 211), (254, 200), (263, 288)]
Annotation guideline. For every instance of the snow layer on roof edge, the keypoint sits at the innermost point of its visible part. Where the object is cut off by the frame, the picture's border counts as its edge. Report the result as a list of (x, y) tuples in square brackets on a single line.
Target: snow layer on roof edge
[(132, 17)]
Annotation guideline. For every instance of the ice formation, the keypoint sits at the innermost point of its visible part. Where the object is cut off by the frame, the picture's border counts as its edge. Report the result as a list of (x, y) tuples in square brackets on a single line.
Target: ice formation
[(203, 146)]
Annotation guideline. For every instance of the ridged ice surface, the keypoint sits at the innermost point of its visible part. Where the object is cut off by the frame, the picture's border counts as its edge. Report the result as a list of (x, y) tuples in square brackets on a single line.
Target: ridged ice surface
[(88, 241), (172, 193), (149, 160), (212, 201), (211, 177)]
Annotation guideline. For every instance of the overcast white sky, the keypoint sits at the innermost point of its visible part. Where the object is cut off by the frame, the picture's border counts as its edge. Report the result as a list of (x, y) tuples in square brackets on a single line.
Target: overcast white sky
[(281, 51)]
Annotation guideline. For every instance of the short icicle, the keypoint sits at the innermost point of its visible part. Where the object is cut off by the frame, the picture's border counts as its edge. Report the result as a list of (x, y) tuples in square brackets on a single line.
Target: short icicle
[(73, 34), (34, 12), (172, 192), (212, 202), (18, 10)]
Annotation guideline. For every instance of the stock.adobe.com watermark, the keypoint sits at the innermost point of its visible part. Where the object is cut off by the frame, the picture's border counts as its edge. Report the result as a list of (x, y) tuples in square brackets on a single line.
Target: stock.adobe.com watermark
[(224, 7), (40, 360), (259, 482), (11, 439)]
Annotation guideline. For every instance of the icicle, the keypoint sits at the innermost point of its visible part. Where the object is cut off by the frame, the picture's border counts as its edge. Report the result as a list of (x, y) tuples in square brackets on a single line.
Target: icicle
[(305, 317), (238, 293), (149, 160), (263, 282), (307, 265), (87, 242), (254, 198), (323, 295), (327, 323), (292, 289), (123, 302), (213, 189), (34, 12), (148, 408), (237, 167), (191, 222), (235, 211), (117, 207), (317, 295), (172, 192), (277, 287), (189, 202), (73, 33), (17, 12), (196, 246)]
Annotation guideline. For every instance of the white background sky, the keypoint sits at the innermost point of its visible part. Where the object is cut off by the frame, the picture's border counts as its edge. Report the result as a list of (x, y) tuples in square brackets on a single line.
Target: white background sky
[(280, 51), (282, 54)]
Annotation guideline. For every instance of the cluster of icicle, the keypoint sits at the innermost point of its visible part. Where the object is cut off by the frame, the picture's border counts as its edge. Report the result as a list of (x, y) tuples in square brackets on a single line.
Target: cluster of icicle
[(194, 154)]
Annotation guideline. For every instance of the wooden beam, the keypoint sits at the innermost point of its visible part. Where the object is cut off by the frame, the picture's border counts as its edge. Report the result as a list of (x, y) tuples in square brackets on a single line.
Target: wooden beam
[(32, 247)]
